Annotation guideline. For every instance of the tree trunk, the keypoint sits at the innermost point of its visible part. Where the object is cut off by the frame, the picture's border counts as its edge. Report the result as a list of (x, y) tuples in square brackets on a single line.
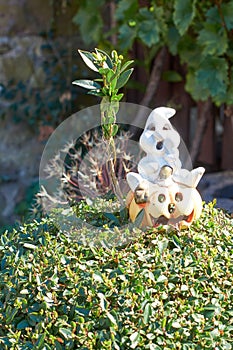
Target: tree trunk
[(227, 144), (152, 85), (205, 113), (155, 77), (207, 154)]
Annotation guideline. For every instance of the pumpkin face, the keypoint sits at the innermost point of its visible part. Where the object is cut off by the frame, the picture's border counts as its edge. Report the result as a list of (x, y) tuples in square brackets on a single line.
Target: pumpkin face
[(174, 205)]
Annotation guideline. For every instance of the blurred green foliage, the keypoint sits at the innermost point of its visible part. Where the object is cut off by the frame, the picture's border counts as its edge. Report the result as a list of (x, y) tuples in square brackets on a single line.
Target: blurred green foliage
[(200, 33)]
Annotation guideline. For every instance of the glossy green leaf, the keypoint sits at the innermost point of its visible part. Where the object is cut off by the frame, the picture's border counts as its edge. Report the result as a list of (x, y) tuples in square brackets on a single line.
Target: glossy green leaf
[(105, 71), (162, 245), (108, 59), (147, 313), (23, 324), (176, 241), (123, 78), (97, 277), (126, 65), (111, 318), (24, 291), (139, 218), (66, 332), (176, 324), (117, 97), (30, 246), (89, 60), (96, 93), (87, 84), (10, 314), (40, 341), (134, 339), (161, 279), (114, 132)]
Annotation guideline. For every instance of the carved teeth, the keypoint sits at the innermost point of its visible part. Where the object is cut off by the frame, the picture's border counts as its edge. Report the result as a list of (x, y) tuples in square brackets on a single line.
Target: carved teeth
[(163, 220)]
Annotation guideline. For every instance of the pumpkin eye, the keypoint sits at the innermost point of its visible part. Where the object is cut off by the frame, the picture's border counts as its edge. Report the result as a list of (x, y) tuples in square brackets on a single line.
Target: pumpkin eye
[(161, 198), (166, 127), (179, 197), (151, 127)]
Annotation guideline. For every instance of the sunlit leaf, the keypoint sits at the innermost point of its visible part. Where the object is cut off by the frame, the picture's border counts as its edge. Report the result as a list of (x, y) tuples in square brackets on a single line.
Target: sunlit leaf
[(30, 246), (108, 59), (87, 84), (66, 332), (89, 59)]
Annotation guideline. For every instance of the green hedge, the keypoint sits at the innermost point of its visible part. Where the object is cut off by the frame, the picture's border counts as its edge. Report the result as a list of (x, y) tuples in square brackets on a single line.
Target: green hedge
[(165, 290)]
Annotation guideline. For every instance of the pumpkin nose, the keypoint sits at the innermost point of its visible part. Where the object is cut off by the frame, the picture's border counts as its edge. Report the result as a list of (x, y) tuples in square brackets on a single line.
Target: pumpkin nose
[(171, 208)]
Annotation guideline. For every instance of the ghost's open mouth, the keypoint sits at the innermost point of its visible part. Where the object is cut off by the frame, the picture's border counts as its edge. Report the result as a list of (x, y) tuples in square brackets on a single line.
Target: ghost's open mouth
[(163, 220), (159, 145)]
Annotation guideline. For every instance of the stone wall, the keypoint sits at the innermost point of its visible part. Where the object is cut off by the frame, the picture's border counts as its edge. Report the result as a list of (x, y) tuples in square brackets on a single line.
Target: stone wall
[(23, 28)]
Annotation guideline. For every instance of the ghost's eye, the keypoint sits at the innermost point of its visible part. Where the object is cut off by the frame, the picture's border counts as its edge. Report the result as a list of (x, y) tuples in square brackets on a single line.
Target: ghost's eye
[(151, 127), (166, 127), (179, 197), (161, 198)]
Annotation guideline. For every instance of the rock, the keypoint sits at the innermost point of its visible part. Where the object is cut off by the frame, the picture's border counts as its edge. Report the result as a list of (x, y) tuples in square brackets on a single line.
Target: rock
[(220, 186), (20, 151), (20, 59), (20, 154), (10, 192), (24, 16)]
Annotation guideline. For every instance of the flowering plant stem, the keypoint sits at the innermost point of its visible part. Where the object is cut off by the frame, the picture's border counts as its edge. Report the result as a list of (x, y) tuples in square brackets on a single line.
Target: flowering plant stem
[(113, 76)]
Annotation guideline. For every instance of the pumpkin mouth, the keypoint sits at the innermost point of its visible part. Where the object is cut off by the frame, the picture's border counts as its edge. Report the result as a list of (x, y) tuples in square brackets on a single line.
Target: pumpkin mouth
[(163, 220)]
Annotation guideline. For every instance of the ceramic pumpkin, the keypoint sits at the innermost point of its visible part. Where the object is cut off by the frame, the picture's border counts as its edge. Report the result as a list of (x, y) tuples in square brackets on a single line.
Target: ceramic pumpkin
[(167, 192), (174, 205)]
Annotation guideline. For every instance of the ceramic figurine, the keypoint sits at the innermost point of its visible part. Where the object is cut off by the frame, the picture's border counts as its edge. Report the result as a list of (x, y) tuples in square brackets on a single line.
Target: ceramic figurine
[(166, 191)]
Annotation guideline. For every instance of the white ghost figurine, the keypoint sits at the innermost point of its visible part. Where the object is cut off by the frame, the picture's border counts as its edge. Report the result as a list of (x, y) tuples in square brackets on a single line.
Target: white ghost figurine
[(161, 165)]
